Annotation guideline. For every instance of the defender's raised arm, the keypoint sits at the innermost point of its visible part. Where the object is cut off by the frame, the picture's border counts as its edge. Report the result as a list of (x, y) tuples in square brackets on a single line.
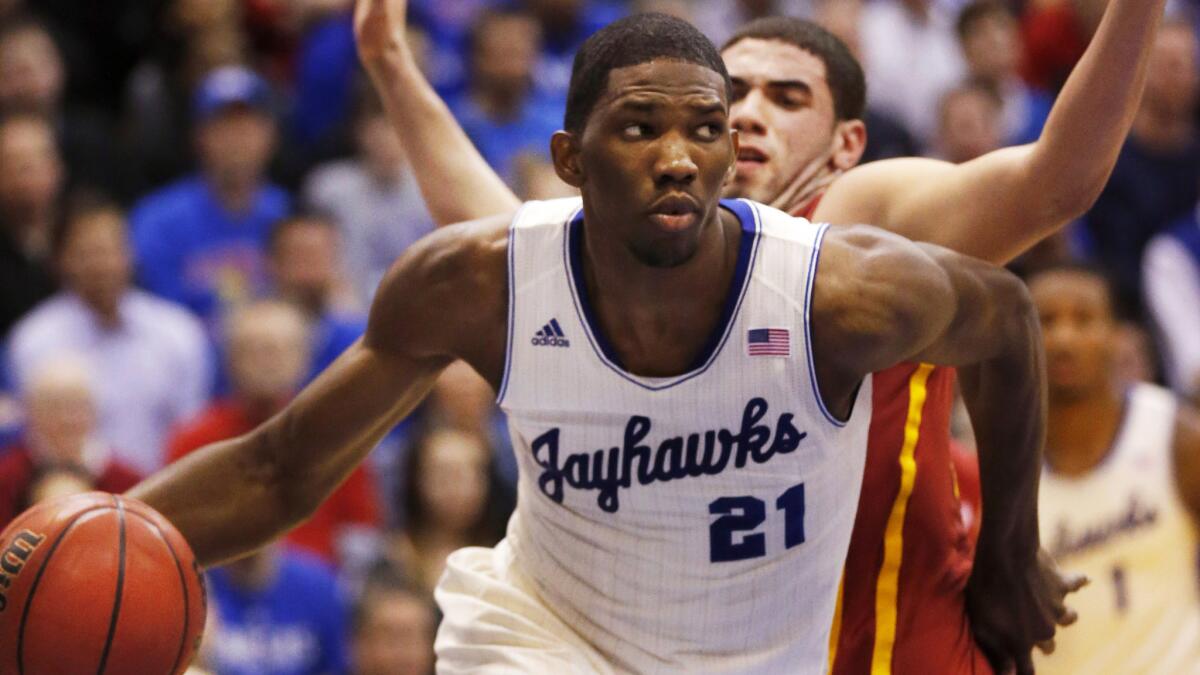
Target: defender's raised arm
[(998, 206)]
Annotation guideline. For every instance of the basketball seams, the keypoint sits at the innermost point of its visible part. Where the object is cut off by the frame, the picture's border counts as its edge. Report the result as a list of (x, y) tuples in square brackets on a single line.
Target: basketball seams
[(116, 611), (37, 579), (182, 585)]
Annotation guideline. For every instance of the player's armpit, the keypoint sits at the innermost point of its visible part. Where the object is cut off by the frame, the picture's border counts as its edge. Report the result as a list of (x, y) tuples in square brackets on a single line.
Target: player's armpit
[(1187, 458), (444, 299)]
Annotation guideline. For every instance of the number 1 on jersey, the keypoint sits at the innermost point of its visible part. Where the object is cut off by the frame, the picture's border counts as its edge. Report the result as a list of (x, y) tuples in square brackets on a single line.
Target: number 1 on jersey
[(742, 515)]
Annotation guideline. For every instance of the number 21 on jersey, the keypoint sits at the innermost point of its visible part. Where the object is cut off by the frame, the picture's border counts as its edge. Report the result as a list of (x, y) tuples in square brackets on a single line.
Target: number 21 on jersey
[(733, 536)]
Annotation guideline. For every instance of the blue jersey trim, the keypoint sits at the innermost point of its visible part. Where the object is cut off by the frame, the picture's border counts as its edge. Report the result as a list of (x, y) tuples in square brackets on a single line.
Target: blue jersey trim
[(813, 261), (747, 254), (512, 303)]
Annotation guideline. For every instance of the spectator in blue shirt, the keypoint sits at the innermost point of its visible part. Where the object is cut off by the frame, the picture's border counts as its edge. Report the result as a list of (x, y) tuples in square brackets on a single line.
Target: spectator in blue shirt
[(305, 269), (276, 613), (201, 240), (501, 110), (448, 26), (565, 25), (1155, 182)]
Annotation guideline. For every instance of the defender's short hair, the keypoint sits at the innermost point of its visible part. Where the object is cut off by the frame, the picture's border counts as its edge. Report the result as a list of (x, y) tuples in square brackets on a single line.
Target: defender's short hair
[(843, 72), (632, 41)]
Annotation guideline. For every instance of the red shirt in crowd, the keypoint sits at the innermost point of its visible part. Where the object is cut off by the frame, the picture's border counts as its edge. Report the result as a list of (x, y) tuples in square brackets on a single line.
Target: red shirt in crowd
[(18, 470), (354, 503)]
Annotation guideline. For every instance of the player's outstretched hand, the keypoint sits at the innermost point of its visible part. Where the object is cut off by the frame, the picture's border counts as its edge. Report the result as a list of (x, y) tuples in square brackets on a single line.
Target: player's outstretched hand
[(379, 27), (1015, 607)]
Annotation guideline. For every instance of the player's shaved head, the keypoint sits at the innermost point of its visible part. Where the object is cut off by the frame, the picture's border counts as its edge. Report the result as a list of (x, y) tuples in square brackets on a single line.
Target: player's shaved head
[(632, 41)]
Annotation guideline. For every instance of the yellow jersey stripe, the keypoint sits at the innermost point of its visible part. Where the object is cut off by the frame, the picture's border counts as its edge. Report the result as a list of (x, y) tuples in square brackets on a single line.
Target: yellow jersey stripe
[(887, 587), (836, 633)]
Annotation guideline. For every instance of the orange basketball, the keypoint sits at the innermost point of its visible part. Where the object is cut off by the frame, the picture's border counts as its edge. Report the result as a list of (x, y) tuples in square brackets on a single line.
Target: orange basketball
[(97, 584)]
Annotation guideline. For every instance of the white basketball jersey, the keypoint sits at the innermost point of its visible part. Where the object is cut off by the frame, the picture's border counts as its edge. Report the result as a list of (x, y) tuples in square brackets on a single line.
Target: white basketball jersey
[(1124, 526), (695, 523)]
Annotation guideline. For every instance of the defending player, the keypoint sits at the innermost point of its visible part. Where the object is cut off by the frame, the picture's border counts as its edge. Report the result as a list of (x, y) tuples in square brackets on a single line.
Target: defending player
[(691, 328), (1120, 494), (799, 97)]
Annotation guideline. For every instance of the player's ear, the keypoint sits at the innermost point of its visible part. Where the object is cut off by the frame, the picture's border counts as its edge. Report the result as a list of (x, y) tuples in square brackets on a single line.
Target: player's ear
[(849, 143), (732, 172), (564, 149)]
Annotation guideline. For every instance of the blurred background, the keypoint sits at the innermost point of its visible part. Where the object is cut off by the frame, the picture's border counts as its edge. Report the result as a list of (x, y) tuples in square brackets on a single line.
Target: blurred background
[(198, 197)]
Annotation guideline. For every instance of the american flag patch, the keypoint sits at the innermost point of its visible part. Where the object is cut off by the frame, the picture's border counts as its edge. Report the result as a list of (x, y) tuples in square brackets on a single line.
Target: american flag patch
[(768, 342)]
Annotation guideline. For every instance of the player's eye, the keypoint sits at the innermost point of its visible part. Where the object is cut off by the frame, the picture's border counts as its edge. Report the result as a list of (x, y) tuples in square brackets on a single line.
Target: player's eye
[(636, 131), (710, 132)]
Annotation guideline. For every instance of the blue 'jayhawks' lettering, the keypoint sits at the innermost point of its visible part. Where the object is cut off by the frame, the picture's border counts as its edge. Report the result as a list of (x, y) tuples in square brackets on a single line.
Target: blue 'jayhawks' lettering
[(698, 454)]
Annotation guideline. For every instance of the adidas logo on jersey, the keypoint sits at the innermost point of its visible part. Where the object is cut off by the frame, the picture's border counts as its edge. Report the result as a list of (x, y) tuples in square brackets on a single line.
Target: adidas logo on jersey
[(551, 335)]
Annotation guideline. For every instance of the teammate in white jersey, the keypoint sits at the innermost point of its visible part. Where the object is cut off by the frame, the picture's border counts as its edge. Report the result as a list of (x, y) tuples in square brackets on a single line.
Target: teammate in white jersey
[(1119, 495), (688, 402)]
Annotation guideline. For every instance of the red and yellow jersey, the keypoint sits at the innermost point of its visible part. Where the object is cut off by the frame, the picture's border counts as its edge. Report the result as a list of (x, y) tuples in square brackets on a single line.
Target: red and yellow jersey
[(902, 608)]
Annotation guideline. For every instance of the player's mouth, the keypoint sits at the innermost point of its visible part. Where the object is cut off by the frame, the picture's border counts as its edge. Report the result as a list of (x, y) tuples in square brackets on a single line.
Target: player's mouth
[(750, 158), (675, 212)]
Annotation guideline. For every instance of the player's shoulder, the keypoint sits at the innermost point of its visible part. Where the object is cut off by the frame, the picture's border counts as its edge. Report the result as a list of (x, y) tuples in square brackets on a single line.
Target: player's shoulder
[(446, 289), (548, 214)]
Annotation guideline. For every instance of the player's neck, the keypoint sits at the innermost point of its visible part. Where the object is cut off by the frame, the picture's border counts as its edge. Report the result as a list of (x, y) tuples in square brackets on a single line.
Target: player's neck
[(640, 308), (801, 197), (1081, 432)]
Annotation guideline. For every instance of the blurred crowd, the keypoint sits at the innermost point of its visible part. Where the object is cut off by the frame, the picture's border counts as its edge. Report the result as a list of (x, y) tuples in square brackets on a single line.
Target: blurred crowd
[(198, 198)]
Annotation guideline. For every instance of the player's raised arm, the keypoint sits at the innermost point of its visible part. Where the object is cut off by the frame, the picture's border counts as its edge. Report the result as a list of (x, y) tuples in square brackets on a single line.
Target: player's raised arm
[(999, 205), (444, 299), (445, 162), (879, 300)]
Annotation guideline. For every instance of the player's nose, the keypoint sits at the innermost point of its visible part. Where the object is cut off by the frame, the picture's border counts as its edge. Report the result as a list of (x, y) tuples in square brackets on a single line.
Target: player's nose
[(674, 163), (746, 114)]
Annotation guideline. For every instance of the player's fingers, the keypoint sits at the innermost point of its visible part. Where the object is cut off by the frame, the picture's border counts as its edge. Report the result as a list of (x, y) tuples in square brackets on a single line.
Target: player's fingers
[(1074, 582), (1046, 647), (1067, 617)]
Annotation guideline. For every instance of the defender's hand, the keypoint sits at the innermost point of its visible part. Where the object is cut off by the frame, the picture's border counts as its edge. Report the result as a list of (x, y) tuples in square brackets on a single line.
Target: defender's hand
[(379, 27), (1014, 607)]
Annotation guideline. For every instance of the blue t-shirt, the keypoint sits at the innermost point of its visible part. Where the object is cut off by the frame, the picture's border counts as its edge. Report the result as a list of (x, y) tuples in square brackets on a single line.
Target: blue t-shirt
[(297, 626), (1039, 104), (1148, 191), (448, 25), (502, 141), (558, 50), (191, 250), (331, 336), (325, 67)]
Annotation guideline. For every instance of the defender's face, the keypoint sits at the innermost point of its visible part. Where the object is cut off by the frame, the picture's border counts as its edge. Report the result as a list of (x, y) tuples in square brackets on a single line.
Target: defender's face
[(1078, 330), (783, 112), (654, 156)]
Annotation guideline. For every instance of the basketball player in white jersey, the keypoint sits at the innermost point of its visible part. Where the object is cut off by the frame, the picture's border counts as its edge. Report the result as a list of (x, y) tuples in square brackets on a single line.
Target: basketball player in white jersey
[(799, 97), (1120, 494), (697, 371)]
